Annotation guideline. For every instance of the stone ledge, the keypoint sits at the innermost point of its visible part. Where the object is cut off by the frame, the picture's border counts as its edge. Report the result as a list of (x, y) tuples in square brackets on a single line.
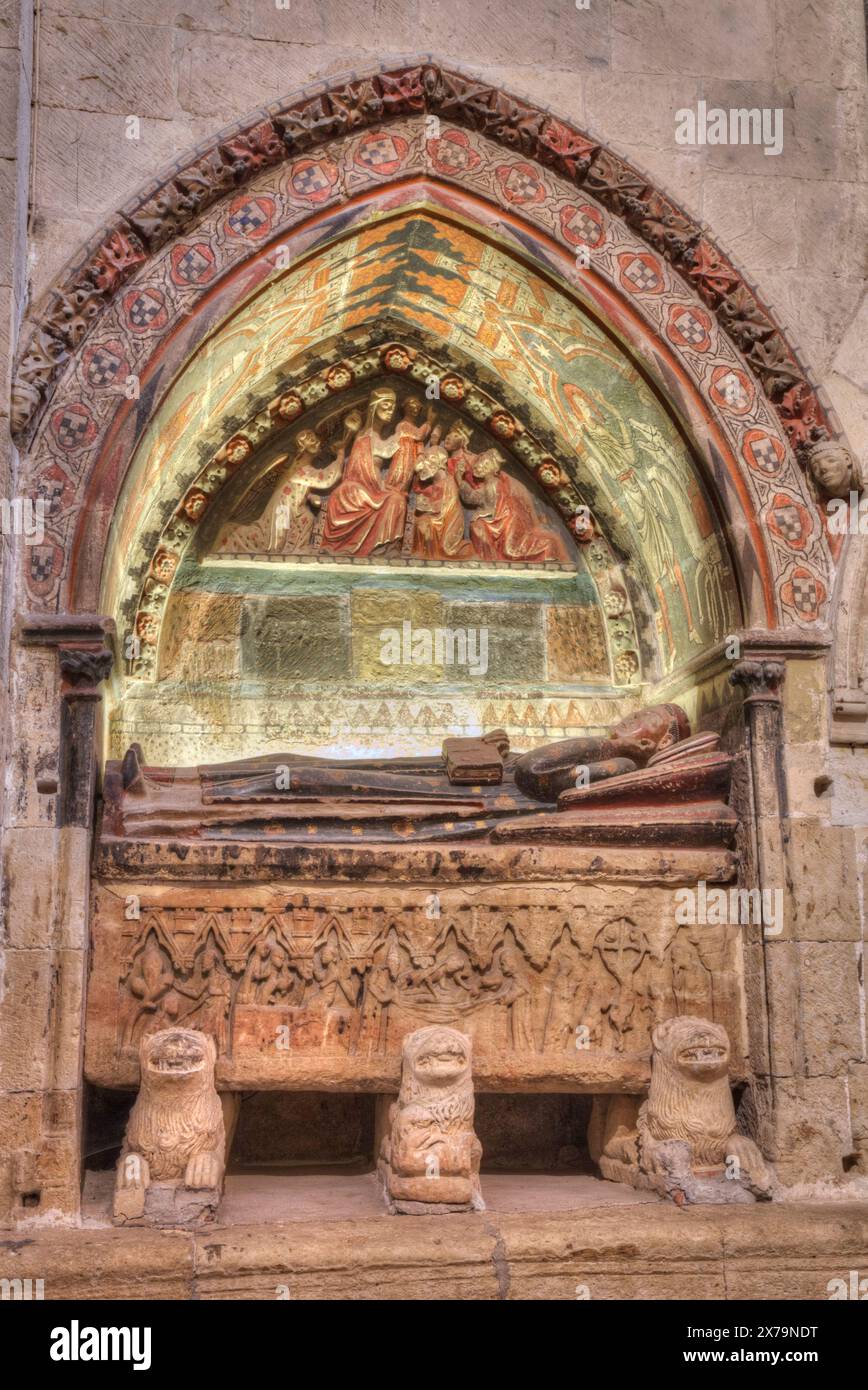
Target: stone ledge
[(786, 1252)]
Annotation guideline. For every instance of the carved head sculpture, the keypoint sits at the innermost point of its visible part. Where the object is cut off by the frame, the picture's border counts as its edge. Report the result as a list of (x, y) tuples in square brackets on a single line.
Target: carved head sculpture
[(176, 1059), (834, 469), (457, 437), (650, 731), (509, 964), (694, 1048), (413, 408), (435, 1058), (306, 442), (381, 408), (488, 464), (431, 462)]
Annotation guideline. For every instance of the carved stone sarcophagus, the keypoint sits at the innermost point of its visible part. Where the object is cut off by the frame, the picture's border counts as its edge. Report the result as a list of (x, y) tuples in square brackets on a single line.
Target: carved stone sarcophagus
[(309, 935), (557, 962)]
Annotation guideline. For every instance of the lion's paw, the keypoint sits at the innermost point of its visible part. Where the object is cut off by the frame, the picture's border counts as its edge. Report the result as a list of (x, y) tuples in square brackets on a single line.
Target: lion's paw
[(203, 1170)]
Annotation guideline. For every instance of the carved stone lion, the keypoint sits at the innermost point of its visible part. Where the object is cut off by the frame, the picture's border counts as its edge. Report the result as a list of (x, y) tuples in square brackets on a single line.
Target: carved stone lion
[(684, 1142), (175, 1142), (429, 1160)]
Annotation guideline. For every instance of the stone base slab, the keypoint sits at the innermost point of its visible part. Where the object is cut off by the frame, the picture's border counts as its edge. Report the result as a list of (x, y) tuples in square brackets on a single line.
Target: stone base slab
[(639, 1252)]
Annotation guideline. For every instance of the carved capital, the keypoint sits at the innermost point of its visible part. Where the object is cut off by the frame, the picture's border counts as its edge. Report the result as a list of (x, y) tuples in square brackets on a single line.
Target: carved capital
[(762, 680), (85, 667)]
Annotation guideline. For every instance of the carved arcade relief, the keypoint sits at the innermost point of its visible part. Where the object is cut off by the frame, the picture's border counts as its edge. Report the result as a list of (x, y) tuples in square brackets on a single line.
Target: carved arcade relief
[(544, 987)]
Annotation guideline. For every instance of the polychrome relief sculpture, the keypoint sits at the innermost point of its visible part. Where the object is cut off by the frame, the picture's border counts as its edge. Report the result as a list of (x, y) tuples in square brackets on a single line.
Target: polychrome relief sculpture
[(430, 1157), (683, 1142), (391, 487), (173, 1158)]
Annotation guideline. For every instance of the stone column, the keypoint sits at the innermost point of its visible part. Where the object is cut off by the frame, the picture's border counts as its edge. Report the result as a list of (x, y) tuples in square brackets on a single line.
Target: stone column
[(58, 663), (764, 867), (791, 972)]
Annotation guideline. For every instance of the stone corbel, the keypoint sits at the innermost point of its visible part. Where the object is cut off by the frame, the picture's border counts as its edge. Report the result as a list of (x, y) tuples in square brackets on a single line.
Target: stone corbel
[(83, 642), (762, 680)]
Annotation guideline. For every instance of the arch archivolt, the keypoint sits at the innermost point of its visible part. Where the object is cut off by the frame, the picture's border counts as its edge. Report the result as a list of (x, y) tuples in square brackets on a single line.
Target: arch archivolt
[(186, 257)]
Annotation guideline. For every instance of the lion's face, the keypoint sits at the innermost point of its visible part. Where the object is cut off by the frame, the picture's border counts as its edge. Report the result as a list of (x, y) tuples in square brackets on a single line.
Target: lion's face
[(176, 1055), (694, 1047), (438, 1056)]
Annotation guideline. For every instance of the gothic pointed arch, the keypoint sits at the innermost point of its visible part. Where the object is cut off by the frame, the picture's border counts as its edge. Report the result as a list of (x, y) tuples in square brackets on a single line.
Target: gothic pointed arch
[(417, 230)]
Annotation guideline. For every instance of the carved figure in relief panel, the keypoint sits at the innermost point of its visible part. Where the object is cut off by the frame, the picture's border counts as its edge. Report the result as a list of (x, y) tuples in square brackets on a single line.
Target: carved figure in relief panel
[(439, 518), (515, 997), (152, 999), (610, 1003), (691, 982), (297, 502), (210, 987), (504, 526), (365, 512), (335, 981), (381, 991), (271, 977), (412, 432), (451, 980), (565, 976)]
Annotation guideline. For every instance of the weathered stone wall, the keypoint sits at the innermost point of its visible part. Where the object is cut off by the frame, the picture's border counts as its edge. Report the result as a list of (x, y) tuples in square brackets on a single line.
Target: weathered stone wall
[(823, 1077)]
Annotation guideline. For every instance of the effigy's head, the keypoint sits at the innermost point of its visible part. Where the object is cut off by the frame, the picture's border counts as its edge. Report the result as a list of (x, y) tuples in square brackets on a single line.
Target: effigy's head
[(437, 1056), (650, 731), (413, 407)]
